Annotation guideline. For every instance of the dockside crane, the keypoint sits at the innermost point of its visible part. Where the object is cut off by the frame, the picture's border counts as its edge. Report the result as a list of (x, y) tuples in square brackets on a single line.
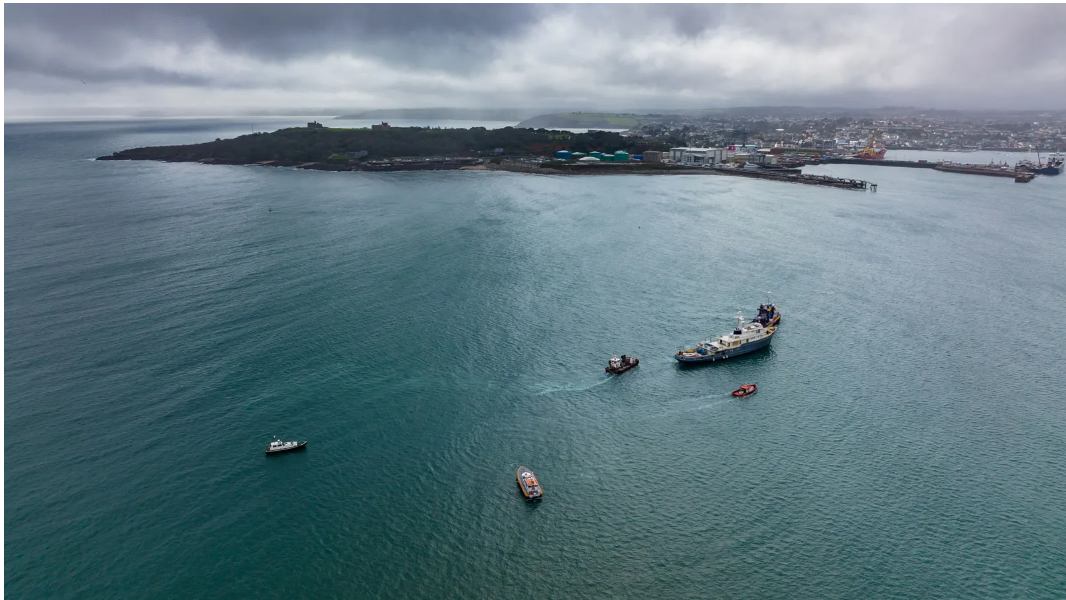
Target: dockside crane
[(869, 152)]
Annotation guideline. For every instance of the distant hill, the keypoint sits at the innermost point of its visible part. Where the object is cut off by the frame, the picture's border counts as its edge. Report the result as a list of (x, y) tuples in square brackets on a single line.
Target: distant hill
[(582, 120), (458, 114)]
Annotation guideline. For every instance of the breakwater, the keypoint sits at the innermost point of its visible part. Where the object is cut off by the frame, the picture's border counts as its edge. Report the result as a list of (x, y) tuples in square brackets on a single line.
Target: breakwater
[(986, 170), (780, 175), (822, 180)]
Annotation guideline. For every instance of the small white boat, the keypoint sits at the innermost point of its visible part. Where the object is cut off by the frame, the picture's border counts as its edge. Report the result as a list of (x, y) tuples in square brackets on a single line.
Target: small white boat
[(278, 446)]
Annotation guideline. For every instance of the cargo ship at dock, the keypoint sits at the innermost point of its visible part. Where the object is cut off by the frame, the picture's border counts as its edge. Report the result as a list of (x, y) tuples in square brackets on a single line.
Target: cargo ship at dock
[(1053, 166)]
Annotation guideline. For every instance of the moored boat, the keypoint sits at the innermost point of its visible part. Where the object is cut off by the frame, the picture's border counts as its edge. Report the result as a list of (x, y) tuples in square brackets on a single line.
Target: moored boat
[(768, 315), (745, 390), (528, 483), (621, 365), (744, 339), (1053, 166), (278, 446)]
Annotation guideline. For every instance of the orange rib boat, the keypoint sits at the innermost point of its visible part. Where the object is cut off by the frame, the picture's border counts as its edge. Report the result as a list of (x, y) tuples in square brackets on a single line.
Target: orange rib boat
[(745, 390), (528, 483)]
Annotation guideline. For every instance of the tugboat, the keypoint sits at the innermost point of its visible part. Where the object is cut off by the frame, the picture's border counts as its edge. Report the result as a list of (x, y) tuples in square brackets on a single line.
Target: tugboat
[(278, 446), (768, 315), (744, 339), (621, 365), (745, 390), (528, 483)]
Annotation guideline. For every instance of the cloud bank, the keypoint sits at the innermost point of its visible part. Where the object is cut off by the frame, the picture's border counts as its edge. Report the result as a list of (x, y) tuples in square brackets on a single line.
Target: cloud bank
[(225, 59)]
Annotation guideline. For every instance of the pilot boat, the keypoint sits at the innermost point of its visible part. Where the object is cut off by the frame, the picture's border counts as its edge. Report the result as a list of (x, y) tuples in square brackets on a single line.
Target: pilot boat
[(528, 483), (621, 365), (744, 339), (745, 390), (278, 446)]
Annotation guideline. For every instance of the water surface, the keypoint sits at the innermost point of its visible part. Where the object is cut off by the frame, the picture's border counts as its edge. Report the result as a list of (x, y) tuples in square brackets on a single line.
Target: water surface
[(429, 332)]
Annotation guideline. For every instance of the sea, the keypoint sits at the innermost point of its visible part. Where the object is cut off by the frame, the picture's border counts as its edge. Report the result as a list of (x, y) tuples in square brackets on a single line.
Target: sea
[(429, 332)]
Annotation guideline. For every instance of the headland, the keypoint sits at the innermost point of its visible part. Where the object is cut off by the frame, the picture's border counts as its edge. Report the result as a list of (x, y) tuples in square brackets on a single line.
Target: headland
[(515, 149), (316, 146)]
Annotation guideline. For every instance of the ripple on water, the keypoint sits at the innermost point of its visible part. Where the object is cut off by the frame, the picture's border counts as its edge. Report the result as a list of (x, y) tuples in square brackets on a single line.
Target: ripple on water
[(429, 332)]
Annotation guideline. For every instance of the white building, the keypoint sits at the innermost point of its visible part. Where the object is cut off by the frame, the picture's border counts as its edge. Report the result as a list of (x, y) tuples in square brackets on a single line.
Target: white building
[(698, 156)]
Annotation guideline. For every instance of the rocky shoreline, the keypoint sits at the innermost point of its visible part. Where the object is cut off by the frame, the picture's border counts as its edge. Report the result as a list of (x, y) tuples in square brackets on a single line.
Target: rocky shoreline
[(533, 167)]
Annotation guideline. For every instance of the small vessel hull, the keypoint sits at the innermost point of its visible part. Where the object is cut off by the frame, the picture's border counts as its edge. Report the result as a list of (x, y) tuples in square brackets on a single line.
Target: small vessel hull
[(295, 448), (623, 368), (727, 354), (745, 390), (768, 316), (535, 492)]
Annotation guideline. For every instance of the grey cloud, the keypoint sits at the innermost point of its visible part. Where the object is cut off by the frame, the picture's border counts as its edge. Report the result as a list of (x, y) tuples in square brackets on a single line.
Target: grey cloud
[(410, 34), (609, 56), (21, 63)]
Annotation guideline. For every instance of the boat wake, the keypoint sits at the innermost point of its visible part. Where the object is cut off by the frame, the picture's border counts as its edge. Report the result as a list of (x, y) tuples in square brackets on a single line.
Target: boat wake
[(729, 398), (569, 387)]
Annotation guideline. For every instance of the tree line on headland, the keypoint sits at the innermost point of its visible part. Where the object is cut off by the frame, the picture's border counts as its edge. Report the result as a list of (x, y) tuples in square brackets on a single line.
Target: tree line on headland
[(318, 144)]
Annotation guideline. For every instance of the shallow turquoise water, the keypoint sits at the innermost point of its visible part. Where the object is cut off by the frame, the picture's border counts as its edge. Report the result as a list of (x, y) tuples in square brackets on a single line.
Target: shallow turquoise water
[(428, 332)]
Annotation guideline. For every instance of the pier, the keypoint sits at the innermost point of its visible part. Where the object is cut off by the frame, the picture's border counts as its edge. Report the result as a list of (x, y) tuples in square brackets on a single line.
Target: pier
[(986, 170), (822, 180)]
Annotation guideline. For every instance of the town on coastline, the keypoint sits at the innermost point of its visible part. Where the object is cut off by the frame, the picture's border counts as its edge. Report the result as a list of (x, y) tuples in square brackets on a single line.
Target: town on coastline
[(771, 146)]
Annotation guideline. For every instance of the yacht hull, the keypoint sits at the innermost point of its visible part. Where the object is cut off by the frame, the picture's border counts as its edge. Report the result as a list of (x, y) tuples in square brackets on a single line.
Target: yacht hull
[(727, 354), (297, 448)]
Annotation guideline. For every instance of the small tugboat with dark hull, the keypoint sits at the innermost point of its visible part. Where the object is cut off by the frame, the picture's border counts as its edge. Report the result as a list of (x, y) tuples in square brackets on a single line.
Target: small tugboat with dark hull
[(768, 315), (744, 339), (278, 446), (527, 482), (621, 365)]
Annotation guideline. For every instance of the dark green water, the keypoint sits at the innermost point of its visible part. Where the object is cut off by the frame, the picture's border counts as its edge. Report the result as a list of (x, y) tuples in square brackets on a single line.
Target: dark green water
[(428, 332)]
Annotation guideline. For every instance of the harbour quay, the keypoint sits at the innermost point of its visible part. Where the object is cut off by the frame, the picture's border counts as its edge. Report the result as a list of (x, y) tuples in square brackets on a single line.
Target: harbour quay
[(990, 170)]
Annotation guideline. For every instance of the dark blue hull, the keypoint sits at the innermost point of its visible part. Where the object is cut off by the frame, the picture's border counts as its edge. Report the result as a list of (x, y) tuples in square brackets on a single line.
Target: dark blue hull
[(1050, 169), (730, 353)]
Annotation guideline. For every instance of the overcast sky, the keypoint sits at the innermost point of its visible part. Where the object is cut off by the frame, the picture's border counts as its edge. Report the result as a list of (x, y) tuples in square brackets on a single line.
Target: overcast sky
[(222, 59)]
